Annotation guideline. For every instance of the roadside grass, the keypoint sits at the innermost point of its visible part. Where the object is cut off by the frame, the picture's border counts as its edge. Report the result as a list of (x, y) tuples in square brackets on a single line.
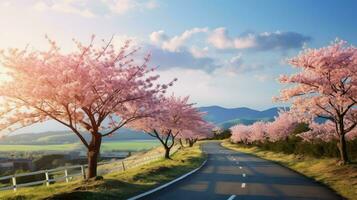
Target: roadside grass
[(132, 145), (342, 179), (129, 145), (116, 185)]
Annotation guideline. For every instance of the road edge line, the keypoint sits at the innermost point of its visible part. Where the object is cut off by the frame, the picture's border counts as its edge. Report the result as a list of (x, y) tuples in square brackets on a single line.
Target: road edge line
[(167, 184)]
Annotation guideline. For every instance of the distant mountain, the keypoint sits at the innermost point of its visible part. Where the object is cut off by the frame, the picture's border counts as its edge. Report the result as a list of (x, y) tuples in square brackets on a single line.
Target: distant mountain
[(223, 117), (65, 137), (230, 123), (226, 117)]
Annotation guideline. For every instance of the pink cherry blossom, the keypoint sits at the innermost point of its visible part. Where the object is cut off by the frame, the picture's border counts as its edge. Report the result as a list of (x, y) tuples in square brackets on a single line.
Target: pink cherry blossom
[(80, 90), (281, 127), (177, 119), (326, 87)]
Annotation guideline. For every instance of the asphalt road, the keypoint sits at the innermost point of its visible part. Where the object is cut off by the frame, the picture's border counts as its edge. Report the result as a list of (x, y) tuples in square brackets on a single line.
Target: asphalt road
[(231, 175)]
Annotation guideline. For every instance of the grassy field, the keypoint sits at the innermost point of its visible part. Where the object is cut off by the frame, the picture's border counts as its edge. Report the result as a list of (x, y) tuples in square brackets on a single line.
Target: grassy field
[(127, 145), (119, 185), (342, 179), (134, 145)]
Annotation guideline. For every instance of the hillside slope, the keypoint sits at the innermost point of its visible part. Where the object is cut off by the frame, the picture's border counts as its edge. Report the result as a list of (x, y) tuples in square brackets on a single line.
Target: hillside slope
[(226, 117), (67, 137)]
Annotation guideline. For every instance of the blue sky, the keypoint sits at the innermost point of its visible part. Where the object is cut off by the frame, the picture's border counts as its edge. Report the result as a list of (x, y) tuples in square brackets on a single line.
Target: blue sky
[(226, 53)]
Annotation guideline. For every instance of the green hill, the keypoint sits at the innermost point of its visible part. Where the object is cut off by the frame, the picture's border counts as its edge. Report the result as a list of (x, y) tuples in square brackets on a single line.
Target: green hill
[(67, 137), (230, 123)]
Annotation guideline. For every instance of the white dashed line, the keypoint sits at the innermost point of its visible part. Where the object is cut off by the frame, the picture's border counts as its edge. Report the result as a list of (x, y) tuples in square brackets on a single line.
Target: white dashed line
[(243, 175), (243, 185), (231, 197), (240, 167)]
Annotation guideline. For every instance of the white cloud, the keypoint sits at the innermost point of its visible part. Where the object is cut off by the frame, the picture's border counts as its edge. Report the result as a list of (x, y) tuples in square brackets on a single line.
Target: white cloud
[(245, 42), (237, 65), (236, 60), (121, 6), (124, 6), (218, 88), (192, 49), (176, 43), (69, 7), (220, 39), (183, 59), (91, 9), (199, 52), (157, 37)]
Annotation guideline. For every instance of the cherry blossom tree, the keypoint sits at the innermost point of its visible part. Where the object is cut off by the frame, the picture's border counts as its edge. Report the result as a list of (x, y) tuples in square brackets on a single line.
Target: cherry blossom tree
[(240, 133), (281, 127), (199, 130), (326, 87), (325, 132), (258, 131), (176, 115), (94, 90)]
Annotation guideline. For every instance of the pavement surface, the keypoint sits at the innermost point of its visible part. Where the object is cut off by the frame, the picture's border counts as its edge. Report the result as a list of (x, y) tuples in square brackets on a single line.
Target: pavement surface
[(232, 175)]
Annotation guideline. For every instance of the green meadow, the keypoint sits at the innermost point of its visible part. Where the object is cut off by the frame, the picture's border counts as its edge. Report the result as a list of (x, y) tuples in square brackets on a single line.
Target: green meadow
[(127, 145)]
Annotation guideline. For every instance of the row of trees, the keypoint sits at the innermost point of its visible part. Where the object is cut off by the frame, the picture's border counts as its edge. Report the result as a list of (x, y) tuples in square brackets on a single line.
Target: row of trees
[(260, 131), (324, 87), (94, 90), (178, 120)]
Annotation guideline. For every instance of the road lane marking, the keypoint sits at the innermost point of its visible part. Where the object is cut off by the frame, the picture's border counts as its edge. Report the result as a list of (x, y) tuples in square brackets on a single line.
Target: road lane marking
[(167, 184), (243, 175), (240, 167), (231, 197), (243, 185)]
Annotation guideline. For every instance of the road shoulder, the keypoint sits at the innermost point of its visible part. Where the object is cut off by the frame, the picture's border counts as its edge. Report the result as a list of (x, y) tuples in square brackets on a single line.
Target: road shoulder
[(340, 179)]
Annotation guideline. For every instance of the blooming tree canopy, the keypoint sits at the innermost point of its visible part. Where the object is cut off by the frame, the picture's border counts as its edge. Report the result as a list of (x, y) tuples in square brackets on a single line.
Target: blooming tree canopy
[(176, 115), (258, 131), (326, 87), (325, 132), (80, 90), (279, 129), (241, 133), (200, 129)]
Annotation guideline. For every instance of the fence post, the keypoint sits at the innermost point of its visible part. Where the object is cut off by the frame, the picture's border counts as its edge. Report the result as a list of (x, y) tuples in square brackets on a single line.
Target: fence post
[(47, 179), (66, 175), (83, 172), (122, 163), (14, 183)]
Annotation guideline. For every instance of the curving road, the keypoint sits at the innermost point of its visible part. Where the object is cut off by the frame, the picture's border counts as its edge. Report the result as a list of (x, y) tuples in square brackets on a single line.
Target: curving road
[(231, 175)]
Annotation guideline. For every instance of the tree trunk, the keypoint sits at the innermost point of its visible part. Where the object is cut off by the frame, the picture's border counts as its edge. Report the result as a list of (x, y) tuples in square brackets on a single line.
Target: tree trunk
[(167, 153), (181, 143), (343, 149), (190, 142), (93, 153)]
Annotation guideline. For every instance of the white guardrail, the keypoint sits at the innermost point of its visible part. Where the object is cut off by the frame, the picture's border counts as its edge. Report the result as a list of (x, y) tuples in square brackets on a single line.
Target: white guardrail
[(68, 173)]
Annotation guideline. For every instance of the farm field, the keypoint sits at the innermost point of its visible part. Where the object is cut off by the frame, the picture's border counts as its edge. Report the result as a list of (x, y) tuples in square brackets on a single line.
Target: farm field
[(128, 145), (117, 185)]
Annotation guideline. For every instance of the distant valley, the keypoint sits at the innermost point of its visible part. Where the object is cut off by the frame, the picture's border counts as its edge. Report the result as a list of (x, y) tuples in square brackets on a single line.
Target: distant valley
[(223, 117)]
